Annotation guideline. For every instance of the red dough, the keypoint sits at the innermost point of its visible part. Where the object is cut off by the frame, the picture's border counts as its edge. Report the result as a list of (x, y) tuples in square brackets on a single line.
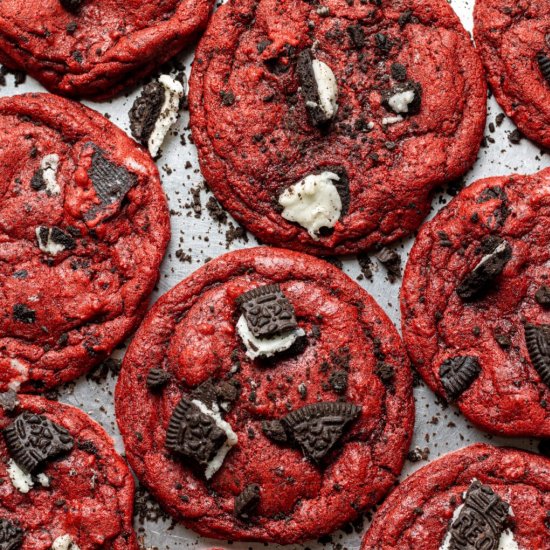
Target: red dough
[(61, 314), (509, 36), (510, 395), (190, 334), (91, 489), (255, 138), (102, 47), (417, 514)]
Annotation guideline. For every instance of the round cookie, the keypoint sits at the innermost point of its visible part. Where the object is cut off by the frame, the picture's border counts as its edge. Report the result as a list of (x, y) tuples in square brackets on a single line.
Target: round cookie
[(325, 127), (478, 497), (475, 304), (282, 448), (83, 228), (63, 484), (96, 48), (513, 39)]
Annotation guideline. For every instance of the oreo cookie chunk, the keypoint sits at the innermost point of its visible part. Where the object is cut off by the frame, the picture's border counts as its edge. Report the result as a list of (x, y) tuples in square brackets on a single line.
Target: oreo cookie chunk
[(315, 428), (199, 433), (268, 324), (11, 536), (63, 485), (218, 446), (514, 42), (86, 221), (318, 87), (33, 440), (474, 316), (85, 52), (155, 111), (354, 88), (478, 497)]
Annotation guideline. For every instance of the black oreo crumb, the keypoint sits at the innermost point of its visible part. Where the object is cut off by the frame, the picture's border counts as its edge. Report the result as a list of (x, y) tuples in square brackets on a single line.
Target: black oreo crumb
[(24, 314), (356, 35), (247, 501), (72, 6)]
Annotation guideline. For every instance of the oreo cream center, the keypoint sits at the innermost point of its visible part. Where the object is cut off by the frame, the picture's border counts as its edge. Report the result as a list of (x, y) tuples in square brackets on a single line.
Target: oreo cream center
[(266, 347), (313, 202)]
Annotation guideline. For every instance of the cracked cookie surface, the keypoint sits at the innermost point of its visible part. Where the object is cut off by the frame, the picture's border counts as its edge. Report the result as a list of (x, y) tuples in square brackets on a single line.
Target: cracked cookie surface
[(317, 433), (101, 46), (84, 496), (474, 304), (83, 227), (420, 512), (513, 38), (410, 113)]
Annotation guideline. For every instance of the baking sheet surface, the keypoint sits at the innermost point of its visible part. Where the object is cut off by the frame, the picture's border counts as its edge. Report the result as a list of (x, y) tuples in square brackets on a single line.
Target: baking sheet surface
[(199, 233)]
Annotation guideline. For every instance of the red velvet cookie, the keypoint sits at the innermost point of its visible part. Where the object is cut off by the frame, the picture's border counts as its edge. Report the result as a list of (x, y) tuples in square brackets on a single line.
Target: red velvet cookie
[(475, 498), (475, 304), (95, 48), (513, 38), (282, 448), (63, 484), (83, 227), (324, 128)]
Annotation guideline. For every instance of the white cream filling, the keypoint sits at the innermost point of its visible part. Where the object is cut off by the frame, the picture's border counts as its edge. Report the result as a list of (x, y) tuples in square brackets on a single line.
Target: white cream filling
[(313, 202), (23, 371), (498, 250), (391, 120), (265, 347), (64, 542), (173, 94), (24, 481), (20, 479), (48, 246), (216, 463), (327, 88), (49, 166), (400, 102), (507, 541)]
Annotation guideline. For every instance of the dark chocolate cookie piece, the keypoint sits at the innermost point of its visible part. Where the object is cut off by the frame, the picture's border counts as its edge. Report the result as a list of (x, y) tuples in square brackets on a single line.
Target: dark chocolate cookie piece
[(267, 311), (32, 440), (146, 110), (537, 339), (11, 536), (194, 434), (247, 501), (486, 271), (457, 375), (473, 304)]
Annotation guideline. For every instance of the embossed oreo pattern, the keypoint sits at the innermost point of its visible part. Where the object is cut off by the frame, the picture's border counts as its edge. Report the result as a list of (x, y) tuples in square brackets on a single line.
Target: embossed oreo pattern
[(481, 521), (537, 339), (267, 311), (457, 375), (315, 428), (193, 434), (33, 439), (11, 536)]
